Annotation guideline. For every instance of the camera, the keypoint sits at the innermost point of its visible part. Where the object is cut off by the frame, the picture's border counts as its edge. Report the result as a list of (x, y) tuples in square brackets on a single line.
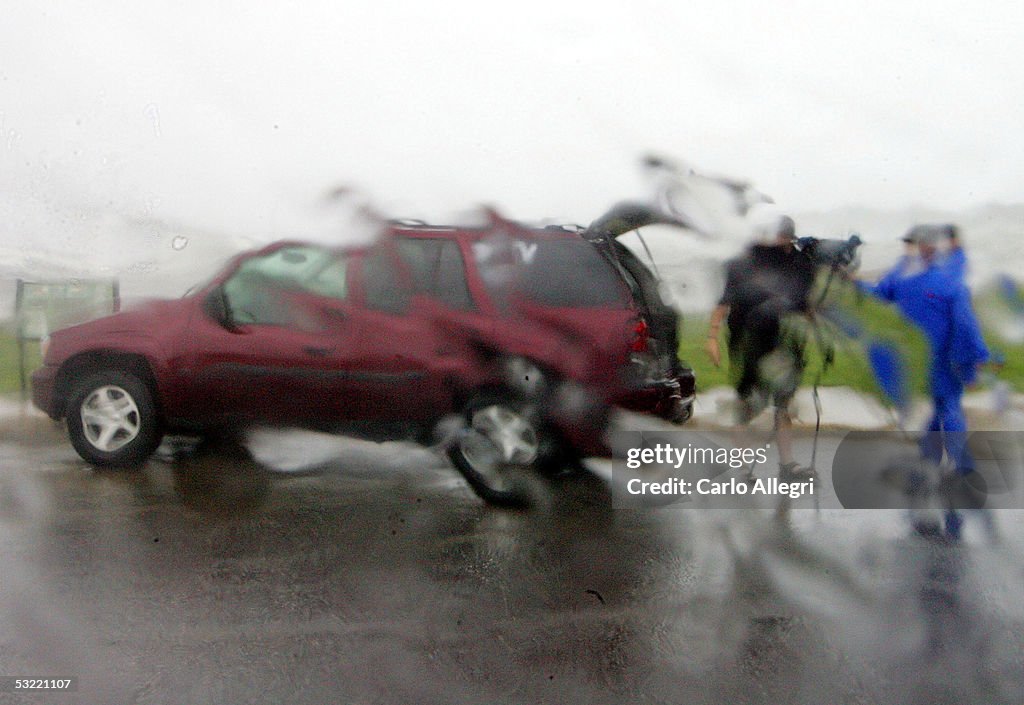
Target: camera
[(824, 252)]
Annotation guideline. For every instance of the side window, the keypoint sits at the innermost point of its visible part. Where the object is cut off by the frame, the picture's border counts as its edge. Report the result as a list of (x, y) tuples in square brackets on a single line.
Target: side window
[(559, 272), (274, 289), (331, 280), (381, 282), (438, 268), (451, 277)]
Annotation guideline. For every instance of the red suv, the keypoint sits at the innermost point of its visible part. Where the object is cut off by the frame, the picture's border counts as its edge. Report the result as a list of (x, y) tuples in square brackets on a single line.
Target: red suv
[(528, 334)]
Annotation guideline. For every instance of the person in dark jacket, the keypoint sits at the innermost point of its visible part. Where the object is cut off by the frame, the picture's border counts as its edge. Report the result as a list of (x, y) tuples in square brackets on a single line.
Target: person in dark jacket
[(764, 285)]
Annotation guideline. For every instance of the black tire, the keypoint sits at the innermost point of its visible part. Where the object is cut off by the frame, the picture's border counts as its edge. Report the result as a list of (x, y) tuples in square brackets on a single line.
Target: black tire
[(495, 479), (681, 412), (112, 419)]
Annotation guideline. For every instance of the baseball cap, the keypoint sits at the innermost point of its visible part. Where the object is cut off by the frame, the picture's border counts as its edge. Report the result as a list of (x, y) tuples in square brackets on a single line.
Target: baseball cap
[(925, 234)]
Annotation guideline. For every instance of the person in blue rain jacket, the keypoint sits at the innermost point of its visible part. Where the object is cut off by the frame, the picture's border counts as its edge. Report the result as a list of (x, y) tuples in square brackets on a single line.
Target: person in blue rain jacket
[(937, 301)]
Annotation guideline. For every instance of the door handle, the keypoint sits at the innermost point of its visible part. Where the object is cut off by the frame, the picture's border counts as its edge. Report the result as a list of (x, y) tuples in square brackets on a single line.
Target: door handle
[(315, 351)]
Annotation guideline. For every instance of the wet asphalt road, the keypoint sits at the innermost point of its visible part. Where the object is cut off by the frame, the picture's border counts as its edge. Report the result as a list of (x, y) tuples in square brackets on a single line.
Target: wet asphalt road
[(371, 574)]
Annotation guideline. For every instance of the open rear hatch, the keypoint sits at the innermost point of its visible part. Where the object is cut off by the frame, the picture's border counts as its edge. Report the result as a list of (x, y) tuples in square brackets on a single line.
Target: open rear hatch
[(645, 286)]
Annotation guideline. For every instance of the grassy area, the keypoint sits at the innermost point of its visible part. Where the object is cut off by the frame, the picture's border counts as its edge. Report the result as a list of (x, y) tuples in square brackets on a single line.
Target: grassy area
[(9, 376)]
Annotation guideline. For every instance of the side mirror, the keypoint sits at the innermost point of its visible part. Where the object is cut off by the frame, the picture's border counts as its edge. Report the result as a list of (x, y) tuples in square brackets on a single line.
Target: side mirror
[(215, 305)]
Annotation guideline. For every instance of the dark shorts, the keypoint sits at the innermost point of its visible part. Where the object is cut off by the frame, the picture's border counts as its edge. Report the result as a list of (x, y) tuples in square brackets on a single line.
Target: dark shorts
[(766, 361)]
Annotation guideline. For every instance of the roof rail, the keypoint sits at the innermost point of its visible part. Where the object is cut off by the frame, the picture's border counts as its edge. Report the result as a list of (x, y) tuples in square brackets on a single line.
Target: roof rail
[(424, 225), (408, 221)]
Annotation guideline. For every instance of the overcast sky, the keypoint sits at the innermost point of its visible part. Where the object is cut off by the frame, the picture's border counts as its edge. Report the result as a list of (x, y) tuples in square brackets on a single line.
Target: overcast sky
[(233, 116)]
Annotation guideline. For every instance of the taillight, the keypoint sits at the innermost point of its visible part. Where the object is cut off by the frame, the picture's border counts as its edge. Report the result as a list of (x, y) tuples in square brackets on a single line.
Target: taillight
[(640, 337)]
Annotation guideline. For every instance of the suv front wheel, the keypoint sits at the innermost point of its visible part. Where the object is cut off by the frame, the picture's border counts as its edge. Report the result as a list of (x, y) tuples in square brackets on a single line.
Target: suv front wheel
[(112, 419)]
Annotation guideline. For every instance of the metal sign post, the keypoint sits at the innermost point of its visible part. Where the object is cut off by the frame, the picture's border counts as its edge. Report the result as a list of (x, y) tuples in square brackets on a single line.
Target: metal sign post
[(41, 307)]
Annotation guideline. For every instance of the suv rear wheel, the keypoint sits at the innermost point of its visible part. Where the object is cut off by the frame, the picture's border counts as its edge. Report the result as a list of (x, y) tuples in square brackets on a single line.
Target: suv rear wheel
[(112, 419), (502, 447)]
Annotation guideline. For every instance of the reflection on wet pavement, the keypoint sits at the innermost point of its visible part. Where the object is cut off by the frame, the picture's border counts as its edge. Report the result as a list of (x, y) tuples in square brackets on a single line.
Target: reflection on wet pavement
[(372, 574)]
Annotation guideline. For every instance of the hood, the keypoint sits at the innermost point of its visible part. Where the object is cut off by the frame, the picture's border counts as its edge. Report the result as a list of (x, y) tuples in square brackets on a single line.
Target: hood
[(144, 319)]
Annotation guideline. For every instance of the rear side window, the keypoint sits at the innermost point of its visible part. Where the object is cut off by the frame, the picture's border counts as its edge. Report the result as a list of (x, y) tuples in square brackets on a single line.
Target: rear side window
[(558, 272), (438, 269)]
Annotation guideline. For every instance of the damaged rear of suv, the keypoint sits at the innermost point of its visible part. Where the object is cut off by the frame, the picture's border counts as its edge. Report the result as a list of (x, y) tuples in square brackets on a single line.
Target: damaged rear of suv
[(581, 281), (543, 297)]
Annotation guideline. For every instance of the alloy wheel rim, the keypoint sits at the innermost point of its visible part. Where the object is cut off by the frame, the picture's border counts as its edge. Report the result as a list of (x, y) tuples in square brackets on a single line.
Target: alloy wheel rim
[(110, 418), (499, 437)]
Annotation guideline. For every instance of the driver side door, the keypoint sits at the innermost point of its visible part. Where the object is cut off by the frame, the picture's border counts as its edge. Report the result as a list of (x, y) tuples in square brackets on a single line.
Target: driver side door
[(282, 354)]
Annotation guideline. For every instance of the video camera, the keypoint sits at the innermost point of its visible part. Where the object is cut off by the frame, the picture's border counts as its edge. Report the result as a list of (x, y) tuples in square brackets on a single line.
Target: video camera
[(834, 253)]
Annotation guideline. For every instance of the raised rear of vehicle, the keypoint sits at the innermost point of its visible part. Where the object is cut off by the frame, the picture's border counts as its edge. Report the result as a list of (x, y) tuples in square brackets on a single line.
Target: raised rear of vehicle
[(656, 380)]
